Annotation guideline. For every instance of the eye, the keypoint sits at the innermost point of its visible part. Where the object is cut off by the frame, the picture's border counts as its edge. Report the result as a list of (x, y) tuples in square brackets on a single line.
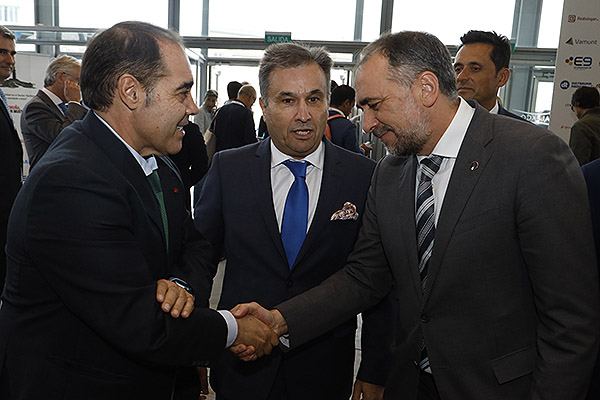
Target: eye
[(314, 99), (457, 70), (287, 100), (374, 106)]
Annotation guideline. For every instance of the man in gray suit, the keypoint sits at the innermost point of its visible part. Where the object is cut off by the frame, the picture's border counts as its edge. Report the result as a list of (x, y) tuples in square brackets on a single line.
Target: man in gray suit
[(53, 108), (492, 258)]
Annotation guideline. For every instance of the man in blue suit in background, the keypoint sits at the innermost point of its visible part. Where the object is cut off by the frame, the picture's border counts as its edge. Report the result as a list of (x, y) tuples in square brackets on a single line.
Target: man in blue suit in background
[(246, 206)]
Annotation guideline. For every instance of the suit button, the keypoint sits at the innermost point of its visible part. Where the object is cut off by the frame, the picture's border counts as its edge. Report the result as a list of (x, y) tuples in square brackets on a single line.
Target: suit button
[(289, 283), (425, 318)]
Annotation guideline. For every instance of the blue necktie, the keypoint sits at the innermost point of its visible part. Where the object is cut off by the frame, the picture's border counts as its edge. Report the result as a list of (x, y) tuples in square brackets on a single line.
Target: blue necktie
[(295, 213), (3, 97), (63, 107)]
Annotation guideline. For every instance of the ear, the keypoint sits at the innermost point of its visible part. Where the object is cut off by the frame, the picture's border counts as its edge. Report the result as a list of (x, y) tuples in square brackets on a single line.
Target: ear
[(427, 88), (130, 91), (502, 77), (263, 105)]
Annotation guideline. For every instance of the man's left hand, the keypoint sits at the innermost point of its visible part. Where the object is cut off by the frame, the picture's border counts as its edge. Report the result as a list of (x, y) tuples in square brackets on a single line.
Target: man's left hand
[(174, 299), (367, 391)]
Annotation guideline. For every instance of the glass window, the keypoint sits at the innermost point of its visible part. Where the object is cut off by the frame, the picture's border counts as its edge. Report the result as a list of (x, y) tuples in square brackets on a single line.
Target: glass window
[(550, 23), (307, 19), (371, 20), (450, 20), (106, 13)]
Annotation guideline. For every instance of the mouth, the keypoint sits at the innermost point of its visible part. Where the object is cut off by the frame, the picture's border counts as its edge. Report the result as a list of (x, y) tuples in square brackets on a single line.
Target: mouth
[(464, 89), (303, 132)]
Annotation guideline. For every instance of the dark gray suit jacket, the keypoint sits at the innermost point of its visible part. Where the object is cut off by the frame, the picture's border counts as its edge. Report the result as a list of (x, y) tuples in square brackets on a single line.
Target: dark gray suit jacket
[(42, 121), (511, 309)]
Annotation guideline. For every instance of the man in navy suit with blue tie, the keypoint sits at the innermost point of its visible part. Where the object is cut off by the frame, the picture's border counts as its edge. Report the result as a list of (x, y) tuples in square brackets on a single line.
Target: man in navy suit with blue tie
[(287, 211)]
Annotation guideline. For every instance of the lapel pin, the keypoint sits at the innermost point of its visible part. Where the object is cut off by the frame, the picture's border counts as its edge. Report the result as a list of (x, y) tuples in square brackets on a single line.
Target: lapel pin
[(474, 165), (176, 190)]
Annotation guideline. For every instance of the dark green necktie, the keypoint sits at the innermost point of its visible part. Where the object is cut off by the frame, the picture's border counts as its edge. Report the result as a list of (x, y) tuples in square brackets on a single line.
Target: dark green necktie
[(155, 183)]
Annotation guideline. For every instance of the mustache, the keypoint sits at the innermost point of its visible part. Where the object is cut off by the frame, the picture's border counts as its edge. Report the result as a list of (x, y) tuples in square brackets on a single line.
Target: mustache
[(303, 126), (381, 130)]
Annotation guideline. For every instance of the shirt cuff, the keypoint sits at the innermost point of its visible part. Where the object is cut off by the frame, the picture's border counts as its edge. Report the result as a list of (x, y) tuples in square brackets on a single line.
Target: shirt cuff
[(232, 327)]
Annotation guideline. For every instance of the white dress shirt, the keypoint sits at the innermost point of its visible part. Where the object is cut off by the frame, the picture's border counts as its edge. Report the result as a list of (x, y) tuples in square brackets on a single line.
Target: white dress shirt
[(448, 148), (282, 179)]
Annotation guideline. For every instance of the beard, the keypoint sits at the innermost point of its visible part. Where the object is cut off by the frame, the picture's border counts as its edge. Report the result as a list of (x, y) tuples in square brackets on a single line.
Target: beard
[(410, 139)]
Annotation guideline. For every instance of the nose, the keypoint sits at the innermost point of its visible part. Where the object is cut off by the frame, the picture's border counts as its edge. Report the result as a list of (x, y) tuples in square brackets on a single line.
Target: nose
[(302, 113), (462, 75), (369, 120), (192, 108)]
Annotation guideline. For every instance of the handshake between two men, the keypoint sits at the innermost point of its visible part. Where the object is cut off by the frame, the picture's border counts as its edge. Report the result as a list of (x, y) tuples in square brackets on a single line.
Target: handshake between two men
[(258, 328)]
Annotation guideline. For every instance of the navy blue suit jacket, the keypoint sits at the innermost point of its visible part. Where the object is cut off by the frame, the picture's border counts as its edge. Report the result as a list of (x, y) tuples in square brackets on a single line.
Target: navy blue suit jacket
[(11, 162), (343, 132), (236, 209), (86, 247), (591, 173)]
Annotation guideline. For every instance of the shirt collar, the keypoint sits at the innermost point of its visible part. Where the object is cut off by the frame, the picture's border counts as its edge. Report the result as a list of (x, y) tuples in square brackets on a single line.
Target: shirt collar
[(148, 165), (450, 142), (495, 109), (316, 158), (52, 96)]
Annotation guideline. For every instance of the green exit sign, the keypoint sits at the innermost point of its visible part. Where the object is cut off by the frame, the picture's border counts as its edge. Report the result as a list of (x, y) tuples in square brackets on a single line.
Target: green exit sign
[(278, 37)]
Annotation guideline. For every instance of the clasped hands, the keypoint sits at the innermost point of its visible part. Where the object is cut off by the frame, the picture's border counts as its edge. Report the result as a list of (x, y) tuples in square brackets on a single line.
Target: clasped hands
[(258, 329)]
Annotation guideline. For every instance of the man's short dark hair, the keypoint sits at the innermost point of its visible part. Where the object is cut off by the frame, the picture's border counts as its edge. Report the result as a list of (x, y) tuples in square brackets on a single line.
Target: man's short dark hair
[(7, 33), (587, 97), (211, 93), (411, 53), (291, 55), (233, 88), (500, 53), (342, 93), (126, 48)]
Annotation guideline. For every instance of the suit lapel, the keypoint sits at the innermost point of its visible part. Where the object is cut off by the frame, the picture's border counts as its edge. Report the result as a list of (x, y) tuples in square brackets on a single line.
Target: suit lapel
[(44, 97), (403, 217), (261, 184), (126, 164), (333, 176), (473, 157)]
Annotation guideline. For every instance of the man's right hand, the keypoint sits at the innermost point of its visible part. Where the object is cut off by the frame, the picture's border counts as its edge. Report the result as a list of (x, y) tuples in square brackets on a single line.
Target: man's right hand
[(72, 91), (273, 319), (255, 335)]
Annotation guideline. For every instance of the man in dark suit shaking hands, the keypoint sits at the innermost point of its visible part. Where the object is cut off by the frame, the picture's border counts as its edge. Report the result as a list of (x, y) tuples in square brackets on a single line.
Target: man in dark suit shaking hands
[(275, 251), (483, 224), (100, 220)]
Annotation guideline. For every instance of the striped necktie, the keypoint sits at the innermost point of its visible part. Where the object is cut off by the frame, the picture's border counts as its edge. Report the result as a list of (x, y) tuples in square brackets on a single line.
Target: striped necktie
[(156, 188), (425, 217)]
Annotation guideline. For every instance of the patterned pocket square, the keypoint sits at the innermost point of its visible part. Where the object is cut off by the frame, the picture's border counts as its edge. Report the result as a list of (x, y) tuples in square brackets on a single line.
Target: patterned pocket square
[(348, 212)]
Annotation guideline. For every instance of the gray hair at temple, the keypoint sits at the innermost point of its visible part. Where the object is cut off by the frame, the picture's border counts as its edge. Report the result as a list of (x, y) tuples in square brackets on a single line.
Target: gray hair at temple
[(411, 53), (291, 55), (126, 48), (66, 64), (7, 33)]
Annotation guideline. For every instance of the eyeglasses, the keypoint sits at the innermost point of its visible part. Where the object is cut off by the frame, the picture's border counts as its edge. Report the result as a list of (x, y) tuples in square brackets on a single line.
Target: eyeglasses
[(572, 108)]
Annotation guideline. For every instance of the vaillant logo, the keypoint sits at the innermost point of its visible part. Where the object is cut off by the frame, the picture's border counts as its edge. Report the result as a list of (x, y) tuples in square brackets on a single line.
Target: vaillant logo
[(580, 62), (572, 18), (582, 42)]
